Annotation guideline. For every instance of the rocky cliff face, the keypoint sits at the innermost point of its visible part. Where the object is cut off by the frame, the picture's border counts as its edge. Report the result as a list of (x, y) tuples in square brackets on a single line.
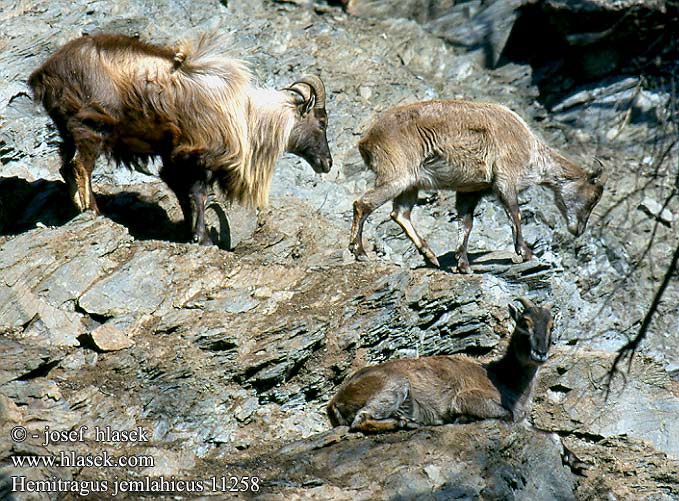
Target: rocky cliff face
[(227, 358)]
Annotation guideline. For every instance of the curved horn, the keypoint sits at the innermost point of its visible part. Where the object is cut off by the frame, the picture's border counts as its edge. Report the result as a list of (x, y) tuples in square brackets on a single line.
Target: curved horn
[(317, 88), (527, 303)]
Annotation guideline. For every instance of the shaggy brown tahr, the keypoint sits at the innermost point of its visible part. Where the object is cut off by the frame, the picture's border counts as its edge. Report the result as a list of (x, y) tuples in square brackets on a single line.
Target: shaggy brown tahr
[(191, 105), (475, 149)]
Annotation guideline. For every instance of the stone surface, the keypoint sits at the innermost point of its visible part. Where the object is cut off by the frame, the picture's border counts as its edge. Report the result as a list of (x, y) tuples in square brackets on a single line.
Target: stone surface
[(655, 209), (106, 337), (488, 461), (231, 356), (481, 27)]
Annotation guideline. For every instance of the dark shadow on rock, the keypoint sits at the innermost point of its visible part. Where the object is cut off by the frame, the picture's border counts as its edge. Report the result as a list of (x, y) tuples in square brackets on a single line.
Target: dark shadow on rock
[(477, 257), (144, 220), (218, 225), (583, 43), (24, 204), (534, 273), (448, 261), (6, 488)]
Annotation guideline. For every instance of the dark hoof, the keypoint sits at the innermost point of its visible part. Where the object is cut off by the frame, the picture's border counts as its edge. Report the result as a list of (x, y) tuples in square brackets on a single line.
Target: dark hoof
[(526, 254), (576, 465), (432, 261), (359, 252), (429, 256), (202, 240), (464, 268)]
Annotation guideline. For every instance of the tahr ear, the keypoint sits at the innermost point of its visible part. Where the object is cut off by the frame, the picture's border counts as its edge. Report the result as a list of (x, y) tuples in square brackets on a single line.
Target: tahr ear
[(308, 106), (595, 175), (514, 312), (305, 98)]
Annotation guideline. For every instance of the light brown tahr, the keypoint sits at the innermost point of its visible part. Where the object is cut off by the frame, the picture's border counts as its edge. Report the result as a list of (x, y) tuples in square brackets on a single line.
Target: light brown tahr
[(191, 105), (435, 390), (474, 149)]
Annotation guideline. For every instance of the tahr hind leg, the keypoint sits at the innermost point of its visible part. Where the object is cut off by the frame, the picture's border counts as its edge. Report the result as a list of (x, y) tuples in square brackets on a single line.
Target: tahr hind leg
[(465, 203), (188, 181), (509, 200), (381, 411)]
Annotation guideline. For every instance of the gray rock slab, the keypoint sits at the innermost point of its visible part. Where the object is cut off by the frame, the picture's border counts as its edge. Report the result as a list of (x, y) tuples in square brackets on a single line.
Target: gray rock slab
[(106, 337), (643, 407), (154, 275), (418, 464), (33, 256)]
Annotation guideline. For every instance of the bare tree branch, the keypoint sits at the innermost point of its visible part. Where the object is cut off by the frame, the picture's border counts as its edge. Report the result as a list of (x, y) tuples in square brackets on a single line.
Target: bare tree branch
[(630, 348)]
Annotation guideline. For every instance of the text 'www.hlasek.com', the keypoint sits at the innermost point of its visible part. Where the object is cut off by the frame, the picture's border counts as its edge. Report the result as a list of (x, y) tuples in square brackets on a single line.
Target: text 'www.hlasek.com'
[(69, 449)]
